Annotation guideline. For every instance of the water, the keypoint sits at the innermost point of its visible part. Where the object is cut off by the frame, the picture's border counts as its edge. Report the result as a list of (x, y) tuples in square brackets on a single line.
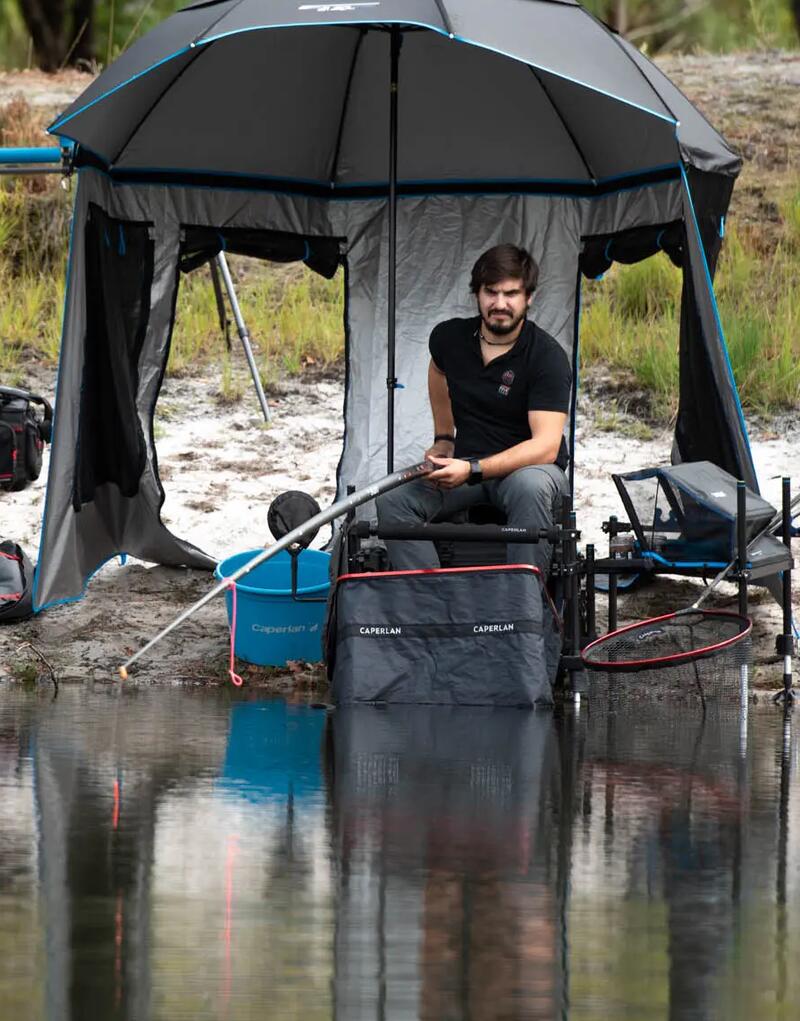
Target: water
[(168, 854)]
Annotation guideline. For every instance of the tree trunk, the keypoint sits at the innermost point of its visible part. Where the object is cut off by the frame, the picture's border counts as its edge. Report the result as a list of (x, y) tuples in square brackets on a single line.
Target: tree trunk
[(621, 16), (796, 13), (82, 15), (54, 26)]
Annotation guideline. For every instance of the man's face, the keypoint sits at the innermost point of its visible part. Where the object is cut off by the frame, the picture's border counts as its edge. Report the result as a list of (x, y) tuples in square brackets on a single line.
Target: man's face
[(503, 305)]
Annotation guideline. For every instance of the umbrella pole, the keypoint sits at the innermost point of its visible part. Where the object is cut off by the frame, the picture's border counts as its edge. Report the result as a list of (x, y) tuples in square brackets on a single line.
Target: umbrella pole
[(391, 378)]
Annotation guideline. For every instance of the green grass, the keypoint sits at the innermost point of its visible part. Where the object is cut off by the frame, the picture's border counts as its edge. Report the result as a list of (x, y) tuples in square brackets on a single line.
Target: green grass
[(295, 317), (631, 321)]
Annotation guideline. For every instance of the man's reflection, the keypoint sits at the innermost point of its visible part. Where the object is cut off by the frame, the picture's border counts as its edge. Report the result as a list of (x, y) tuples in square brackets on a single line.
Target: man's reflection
[(445, 826)]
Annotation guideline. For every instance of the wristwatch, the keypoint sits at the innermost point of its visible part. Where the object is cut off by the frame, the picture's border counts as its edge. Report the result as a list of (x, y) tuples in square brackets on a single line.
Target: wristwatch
[(475, 473)]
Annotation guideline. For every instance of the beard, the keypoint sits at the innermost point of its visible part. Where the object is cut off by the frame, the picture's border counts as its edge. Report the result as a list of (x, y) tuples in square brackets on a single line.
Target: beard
[(501, 326)]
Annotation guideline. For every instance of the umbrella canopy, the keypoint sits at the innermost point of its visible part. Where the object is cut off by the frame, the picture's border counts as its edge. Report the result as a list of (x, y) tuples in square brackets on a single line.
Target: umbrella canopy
[(528, 94)]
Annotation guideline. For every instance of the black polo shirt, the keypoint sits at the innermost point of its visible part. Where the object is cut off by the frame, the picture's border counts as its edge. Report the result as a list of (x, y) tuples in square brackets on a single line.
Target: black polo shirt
[(491, 402)]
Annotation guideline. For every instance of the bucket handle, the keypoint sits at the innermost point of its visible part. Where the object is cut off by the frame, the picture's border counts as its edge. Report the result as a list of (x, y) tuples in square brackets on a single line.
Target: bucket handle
[(294, 552)]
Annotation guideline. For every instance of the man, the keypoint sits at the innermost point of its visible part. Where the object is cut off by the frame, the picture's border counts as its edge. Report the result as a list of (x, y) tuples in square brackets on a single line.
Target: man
[(499, 389)]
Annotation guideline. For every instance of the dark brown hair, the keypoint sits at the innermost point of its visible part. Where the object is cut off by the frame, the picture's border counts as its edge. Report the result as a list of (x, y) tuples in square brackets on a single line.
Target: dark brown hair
[(505, 262)]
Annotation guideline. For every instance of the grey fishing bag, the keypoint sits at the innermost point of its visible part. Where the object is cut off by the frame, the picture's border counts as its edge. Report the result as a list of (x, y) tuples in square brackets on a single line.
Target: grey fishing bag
[(458, 636)]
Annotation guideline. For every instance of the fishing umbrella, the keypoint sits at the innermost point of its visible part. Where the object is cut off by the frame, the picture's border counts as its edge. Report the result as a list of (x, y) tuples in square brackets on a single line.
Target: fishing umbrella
[(392, 98)]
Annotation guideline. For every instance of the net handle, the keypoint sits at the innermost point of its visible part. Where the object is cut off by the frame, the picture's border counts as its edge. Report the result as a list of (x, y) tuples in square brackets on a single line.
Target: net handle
[(672, 659)]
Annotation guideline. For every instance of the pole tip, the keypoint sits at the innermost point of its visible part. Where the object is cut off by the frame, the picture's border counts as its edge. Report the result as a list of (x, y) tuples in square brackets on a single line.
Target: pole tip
[(123, 673)]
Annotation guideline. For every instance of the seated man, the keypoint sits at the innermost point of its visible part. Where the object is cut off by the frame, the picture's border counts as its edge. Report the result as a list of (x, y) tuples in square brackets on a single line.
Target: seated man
[(499, 389)]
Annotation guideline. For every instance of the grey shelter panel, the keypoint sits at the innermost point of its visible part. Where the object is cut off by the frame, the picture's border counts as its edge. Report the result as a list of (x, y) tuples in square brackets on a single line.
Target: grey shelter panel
[(710, 423), (710, 415), (632, 208), (74, 543), (439, 238), (77, 541)]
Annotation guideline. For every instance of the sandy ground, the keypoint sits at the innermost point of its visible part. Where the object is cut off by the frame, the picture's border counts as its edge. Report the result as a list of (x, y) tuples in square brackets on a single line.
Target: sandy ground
[(221, 468)]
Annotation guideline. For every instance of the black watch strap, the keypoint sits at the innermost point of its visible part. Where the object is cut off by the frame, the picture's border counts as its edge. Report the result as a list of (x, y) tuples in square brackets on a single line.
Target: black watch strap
[(444, 436), (475, 472)]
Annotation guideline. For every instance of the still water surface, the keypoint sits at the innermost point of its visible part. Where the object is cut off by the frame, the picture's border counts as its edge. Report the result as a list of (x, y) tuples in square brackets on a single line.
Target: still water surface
[(168, 854)]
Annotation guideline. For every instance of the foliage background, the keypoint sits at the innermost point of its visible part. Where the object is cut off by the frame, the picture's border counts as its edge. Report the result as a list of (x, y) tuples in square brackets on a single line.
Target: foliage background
[(51, 34)]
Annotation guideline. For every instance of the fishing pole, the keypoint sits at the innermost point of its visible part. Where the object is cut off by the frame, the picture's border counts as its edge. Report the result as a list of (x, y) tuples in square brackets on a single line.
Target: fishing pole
[(370, 492)]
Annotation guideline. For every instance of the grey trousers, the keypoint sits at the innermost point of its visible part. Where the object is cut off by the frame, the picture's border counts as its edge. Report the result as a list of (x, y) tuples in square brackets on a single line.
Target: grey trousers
[(528, 497)]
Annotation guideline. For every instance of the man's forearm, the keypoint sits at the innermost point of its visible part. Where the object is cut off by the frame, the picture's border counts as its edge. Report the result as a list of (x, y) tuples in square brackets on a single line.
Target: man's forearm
[(441, 408), (529, 452)]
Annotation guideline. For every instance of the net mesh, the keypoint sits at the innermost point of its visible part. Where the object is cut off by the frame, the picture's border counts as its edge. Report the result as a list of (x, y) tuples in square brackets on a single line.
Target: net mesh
[(701, 651)]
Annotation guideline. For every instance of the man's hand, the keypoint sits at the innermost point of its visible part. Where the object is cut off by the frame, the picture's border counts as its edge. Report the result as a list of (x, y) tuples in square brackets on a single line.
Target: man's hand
[(451, 472), (441, 448)]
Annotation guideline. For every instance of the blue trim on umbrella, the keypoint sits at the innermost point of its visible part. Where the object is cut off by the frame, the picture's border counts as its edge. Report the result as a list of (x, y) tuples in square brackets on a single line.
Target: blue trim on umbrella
[(317, 24), (342, 192), (53, 129), (715, 307), (115, 182)]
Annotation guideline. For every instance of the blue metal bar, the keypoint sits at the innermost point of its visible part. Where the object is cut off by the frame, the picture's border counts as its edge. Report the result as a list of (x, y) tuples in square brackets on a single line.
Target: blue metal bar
[(30, 155)]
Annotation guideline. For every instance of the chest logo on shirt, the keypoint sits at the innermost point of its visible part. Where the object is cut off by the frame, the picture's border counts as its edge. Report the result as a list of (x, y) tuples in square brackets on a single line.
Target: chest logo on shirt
[(505, 386)]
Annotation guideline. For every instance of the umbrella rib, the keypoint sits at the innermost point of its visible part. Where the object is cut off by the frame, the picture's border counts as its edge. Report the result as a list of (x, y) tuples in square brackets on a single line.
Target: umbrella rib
[(445, 18), (339, 134), (216, 21), (153, 105), (653, 89), (197, 51), (564, 124)]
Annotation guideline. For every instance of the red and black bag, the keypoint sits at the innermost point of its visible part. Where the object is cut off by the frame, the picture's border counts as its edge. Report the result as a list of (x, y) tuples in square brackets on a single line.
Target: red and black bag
[(16, 583), (24, 430)]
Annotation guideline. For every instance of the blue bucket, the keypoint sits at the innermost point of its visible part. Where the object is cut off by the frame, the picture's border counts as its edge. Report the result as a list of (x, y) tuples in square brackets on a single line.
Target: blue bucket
[(271, 626)]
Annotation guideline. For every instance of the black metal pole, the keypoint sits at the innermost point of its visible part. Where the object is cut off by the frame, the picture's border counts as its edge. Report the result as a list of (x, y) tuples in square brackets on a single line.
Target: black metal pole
[(591, 619), (741, 544), (612, 577), (391, 379), (787, 645)]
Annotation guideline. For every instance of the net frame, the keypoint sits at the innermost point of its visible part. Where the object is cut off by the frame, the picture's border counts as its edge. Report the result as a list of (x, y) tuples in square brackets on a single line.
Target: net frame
[(706, 651)]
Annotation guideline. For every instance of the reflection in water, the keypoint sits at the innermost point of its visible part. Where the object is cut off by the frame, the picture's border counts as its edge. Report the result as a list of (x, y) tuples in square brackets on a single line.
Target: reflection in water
[(193, 855), (671, 788), (449, 904)]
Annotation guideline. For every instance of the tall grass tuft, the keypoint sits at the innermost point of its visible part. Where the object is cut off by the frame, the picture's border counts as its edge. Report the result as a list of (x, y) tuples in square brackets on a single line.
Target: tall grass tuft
[(632, 319), (294, 317)]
